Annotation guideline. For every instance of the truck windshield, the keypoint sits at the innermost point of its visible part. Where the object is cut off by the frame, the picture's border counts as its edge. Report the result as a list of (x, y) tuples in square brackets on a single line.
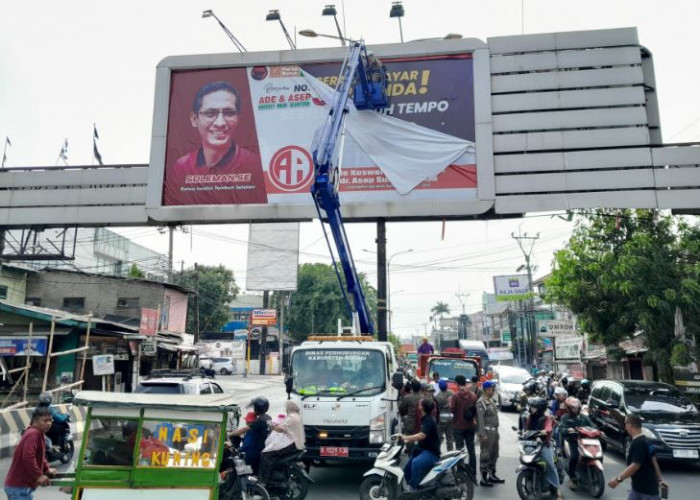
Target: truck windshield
[(450, 368), (327, 371)]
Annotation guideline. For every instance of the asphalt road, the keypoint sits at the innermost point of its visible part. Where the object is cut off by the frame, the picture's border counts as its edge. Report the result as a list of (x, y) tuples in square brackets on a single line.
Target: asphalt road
[(341, 482)]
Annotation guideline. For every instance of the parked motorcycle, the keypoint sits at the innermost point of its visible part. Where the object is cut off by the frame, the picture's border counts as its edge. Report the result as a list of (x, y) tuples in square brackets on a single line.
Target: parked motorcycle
[(531, 482), (62, 447), (238, 480), (450, 478), (289, 479), (589, 471)]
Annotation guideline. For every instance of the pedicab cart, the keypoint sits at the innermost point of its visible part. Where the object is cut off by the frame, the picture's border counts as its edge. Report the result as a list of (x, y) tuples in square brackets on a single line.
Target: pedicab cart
[(150, 446)]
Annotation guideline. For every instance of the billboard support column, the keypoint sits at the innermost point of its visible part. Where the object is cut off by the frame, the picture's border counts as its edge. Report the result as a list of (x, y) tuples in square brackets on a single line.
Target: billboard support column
[(263, 335), (381, 280)]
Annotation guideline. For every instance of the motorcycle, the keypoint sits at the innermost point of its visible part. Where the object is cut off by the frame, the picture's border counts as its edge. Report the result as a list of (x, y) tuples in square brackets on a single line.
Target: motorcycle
[(589, 470), (289, 479), (62, 447), (450, 478), (238, 482), (531, 482)]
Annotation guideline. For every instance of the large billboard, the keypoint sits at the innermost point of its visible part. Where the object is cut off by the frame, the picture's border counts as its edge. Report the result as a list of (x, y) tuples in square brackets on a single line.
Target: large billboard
[(232, 141)]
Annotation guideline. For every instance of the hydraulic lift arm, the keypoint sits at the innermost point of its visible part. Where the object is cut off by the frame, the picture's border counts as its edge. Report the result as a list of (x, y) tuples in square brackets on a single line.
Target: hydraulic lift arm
[(366, 78)]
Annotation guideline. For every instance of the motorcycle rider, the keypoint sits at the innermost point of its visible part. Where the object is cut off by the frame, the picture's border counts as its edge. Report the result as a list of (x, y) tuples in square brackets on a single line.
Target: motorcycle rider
[(537, 420), (256, 431), (558, 407), (584, 392), (58, 418), (427, 449), (574, 418)]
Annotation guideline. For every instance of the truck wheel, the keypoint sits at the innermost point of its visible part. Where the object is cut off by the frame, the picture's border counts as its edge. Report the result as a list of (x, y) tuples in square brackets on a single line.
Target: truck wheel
[(376, 488)]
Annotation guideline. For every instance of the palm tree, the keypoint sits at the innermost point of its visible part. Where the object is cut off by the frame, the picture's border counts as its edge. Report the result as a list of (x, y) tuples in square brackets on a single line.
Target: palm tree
[(440, 309)]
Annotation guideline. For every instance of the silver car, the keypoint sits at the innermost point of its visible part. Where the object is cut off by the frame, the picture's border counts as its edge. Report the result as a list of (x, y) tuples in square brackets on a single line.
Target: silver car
[(510, 384)]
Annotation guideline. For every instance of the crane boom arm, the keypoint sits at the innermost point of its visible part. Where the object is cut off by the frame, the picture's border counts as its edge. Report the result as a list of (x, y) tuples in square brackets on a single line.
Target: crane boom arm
[(369, 93)]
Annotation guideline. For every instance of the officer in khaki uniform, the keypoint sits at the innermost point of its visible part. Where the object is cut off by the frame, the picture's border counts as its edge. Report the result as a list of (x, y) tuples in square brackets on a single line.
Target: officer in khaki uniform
[(487, 419)]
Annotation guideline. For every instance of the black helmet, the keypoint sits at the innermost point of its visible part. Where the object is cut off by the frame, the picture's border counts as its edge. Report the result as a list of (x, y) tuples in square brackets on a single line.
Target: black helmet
[(45, 398), (531, 387), (260, 405), (538, 404), (586, 383)]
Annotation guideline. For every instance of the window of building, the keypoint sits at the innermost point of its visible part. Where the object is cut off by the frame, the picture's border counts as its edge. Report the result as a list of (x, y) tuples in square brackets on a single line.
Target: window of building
[(127, 302), (3, 292), (33, 301), (73, 303)]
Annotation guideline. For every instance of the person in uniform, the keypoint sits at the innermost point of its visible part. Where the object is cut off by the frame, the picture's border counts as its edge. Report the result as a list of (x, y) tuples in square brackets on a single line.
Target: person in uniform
[(487, 421), (445, 425)]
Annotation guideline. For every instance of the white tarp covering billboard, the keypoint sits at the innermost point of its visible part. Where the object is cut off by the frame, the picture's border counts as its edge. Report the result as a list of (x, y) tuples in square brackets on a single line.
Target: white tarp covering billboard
[(273, 257)]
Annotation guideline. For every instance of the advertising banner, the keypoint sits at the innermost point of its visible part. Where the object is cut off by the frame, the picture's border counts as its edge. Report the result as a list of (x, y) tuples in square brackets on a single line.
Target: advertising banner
[(568, 347), (149, 321), (243, 136), (512, 287), (13, 346), (557, 328), (263, 317)]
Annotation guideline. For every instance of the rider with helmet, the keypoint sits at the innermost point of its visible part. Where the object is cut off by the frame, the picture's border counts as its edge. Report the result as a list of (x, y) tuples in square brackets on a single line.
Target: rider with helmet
[(584, 391), (574, 418), (557, 408), (256, 431), (58, 418), (538, 420)]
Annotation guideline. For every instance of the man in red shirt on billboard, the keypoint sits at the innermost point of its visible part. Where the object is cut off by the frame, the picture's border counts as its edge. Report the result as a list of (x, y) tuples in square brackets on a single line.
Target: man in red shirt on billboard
[(29, 468), (220, 171)]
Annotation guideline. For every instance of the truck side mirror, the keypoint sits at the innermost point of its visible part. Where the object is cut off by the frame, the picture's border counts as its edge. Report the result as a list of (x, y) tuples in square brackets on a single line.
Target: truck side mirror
[(288, 384), (397, 381)]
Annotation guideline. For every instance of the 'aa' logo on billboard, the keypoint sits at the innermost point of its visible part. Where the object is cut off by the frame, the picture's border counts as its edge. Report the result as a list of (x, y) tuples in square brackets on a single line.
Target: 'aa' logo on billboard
[(291, 169)]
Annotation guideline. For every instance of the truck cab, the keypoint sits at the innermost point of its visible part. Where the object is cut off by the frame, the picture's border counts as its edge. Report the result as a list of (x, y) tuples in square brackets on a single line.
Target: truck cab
[(347, 388), (449, 363)]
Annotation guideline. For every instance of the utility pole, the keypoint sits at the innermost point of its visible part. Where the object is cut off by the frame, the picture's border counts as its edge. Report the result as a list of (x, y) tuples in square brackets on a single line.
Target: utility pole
[(381, 281), (171, 230), (196, 304), (526, 244), (263, 335)]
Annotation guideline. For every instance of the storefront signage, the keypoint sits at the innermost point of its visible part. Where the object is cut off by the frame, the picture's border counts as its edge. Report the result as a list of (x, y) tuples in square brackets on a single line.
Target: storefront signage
[(263, 317), (103, 364), (148, 348), (557, 328), (149, 321), (13, 346), (567, 347), (512, 287)]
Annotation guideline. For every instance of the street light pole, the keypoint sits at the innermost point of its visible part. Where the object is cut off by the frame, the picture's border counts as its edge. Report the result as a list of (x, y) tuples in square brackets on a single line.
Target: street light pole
[(236, 42), (388, 287)]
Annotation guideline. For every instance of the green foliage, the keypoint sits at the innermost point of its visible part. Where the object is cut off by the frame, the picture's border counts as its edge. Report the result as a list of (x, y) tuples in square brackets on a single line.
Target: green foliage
[(624, 271), (135, 272), (216, 287), (440, 309), (318, 302), (680, 355)]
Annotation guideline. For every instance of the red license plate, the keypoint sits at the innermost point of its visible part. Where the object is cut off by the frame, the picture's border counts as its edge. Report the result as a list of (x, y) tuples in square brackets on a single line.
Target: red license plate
[(335, 451)]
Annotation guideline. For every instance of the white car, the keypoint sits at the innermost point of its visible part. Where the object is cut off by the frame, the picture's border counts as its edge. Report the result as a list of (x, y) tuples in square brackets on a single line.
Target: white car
[(224, 366), (510, 383)]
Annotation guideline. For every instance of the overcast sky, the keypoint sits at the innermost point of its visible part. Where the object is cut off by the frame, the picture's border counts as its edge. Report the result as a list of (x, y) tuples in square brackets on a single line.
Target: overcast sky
[(66, 65)]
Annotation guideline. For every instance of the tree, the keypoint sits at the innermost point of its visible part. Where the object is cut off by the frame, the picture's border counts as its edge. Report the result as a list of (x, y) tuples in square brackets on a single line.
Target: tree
[(135, 272), (216, 287), (440, 309), (627, 271), (318, 302)]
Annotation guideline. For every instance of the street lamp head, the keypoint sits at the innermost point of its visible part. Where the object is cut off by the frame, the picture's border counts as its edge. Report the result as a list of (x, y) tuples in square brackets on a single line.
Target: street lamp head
[(329, 10), (308, 33), (208, 13), (396, 10), (273, 15)]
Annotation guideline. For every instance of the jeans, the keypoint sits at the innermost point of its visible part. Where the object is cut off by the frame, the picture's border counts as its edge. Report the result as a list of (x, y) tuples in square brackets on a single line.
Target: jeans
[(418, 466), (551, 473), (466, 437), (19, 493)]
